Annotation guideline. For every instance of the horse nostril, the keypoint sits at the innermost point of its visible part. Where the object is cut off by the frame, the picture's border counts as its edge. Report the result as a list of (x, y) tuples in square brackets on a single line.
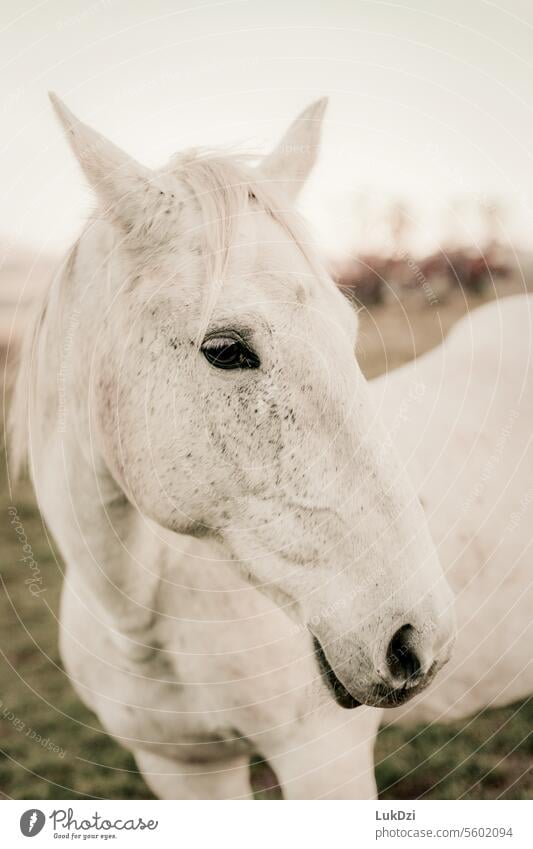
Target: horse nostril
[(402, 660)]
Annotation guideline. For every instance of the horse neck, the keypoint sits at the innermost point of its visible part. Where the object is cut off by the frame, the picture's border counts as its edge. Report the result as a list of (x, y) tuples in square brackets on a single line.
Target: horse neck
[(110, 551)]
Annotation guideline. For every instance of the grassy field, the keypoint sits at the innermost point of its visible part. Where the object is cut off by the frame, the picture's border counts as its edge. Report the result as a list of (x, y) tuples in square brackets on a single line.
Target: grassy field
[(52, 747)]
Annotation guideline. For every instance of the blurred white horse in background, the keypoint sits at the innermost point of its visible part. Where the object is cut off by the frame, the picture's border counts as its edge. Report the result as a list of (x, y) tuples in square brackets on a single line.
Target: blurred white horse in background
[(467, 439), (246, 556)]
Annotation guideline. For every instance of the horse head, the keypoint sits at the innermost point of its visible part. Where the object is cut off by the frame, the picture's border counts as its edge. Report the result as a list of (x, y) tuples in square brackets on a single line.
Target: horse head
[(227, 402)]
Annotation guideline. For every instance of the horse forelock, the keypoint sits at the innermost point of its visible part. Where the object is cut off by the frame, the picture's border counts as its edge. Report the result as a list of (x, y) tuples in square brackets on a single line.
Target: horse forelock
[(226, 187)]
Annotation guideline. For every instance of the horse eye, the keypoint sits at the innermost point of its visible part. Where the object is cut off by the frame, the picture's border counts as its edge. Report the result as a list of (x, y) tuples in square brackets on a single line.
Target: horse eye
[(225, 352)]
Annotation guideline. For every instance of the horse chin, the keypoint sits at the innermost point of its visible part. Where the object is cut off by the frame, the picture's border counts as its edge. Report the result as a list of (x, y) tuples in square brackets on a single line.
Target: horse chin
[(384, 697), (379, 696)]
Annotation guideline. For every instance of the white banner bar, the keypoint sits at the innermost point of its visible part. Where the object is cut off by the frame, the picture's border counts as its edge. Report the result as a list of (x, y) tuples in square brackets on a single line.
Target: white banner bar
[(271, 825)]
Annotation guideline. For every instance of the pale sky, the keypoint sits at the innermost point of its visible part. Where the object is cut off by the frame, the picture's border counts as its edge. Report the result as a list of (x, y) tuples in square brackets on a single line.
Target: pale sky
[(431, 100)]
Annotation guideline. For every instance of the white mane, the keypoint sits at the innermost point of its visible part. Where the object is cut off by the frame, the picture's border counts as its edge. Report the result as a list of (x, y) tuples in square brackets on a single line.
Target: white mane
[(226, 186)]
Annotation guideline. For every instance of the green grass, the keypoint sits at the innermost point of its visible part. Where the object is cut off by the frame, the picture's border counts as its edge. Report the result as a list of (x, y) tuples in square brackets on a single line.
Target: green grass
[(489, 756), (484, 758)]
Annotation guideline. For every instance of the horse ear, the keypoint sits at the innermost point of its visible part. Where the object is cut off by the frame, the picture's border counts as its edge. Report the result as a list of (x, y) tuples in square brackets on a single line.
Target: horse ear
[(290, 163), (122, 185)]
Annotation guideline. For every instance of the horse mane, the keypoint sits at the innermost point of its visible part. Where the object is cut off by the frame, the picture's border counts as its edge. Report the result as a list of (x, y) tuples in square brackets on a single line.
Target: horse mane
[(226, 186), (19, 408)]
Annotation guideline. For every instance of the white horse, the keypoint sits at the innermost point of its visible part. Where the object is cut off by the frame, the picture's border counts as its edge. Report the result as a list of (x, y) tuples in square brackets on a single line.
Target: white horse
[(467, 438), (198, 429), (243, 558)]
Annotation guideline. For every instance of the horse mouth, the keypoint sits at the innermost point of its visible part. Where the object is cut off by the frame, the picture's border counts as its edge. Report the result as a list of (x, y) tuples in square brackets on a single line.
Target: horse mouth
[(339, 692), (381, 696)]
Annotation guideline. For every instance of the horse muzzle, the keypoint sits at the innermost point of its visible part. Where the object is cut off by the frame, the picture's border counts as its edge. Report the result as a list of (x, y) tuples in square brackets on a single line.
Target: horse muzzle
[(405, 672)]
